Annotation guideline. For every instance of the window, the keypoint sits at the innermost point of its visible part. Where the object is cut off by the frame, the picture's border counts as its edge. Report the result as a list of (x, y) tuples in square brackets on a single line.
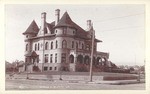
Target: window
[(72, 44), (82, 46), (46, 46), (63, 58), (51, 45), (35, 47), (55, 31), (52, 32), (45, 68), (71, 59), (64, 44), (50, 68), (55, 68), (46, 58), (27, 47), (27, 36), (56, 44), (76, 45), (51, 58), (73, 32), (38, 46), (55, 58)]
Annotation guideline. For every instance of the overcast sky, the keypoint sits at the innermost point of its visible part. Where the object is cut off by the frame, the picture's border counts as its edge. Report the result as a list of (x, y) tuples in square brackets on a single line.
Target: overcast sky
[(120, 27)]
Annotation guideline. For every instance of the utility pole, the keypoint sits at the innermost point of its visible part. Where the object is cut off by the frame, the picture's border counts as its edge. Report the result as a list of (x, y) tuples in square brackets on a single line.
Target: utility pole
[(92, 51), (43, 51)]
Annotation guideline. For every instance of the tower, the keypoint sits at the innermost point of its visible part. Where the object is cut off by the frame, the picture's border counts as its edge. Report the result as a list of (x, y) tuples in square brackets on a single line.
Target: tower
[(31, 31)]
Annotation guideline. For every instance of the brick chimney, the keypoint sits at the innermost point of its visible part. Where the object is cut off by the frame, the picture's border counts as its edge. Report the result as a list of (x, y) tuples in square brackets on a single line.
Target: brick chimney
[(89, 25), (43, 22), (57, 16)]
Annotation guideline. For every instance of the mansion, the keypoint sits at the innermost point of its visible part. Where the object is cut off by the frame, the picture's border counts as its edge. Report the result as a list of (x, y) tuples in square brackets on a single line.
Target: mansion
[(61, 45)]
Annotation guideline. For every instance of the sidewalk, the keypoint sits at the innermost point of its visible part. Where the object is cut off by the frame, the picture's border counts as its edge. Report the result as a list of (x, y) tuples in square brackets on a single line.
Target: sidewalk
[(81, 81), (118, 82)]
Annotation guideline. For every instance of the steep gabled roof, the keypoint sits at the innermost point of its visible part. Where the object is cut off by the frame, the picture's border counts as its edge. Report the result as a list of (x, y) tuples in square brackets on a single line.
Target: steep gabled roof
[(32, 29), (50, 26)]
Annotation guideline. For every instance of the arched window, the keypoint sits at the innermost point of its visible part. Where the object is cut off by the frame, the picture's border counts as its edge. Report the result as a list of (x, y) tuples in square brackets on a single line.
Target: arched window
[(56, 58), (71, 59), (51, 58), (27, 47), (46, 58), (56, 44), (46, 46), (80, 59), (55, 31), (64, 44), (87, 60), (51, 45), (35, 47), (38, 46)]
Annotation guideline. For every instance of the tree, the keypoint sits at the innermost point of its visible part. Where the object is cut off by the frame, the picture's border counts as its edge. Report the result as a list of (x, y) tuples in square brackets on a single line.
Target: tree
[(13, 67), (131, 69)]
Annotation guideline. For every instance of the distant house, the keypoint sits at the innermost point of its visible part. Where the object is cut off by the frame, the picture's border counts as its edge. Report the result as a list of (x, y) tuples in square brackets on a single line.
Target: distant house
[(61, 45)]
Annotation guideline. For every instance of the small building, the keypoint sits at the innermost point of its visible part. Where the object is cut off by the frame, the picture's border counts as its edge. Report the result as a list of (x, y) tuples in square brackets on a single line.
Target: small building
[(61, 45)]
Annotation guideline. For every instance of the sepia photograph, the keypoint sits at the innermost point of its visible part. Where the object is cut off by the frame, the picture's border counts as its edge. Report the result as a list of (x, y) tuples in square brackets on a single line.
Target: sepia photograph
[(75, 47)]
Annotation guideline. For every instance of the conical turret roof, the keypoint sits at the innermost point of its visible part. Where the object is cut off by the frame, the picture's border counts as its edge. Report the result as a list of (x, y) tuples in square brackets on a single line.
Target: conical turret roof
[(66, 21), (32, 29)]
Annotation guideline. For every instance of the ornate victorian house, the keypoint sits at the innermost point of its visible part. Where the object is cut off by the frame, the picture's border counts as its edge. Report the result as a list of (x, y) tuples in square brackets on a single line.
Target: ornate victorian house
[(61, 45)]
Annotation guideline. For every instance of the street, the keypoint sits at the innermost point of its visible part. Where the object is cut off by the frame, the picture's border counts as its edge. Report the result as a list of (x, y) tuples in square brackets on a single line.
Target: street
[(23, 84)]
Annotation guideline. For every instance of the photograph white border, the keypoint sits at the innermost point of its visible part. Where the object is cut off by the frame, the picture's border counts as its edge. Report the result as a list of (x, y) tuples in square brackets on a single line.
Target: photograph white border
[(2, 46)]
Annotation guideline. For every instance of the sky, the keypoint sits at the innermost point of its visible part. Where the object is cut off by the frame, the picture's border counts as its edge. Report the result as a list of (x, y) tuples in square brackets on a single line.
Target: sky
[(121, 28)]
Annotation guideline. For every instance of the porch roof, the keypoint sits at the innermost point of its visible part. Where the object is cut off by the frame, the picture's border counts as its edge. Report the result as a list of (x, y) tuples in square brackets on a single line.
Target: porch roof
[(31, 54)]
